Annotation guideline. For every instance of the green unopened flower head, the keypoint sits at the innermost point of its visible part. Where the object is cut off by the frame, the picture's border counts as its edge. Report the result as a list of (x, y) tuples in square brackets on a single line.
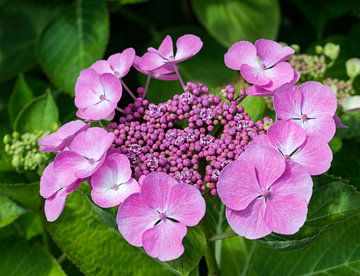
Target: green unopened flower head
[(24, 150), (331, 50), (319, 49), (353, 67)]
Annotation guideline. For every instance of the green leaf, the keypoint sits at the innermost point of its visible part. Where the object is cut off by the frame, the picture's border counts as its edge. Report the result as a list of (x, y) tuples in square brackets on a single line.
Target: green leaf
[(39, 114), (20, 96), (235, 20), (234, 253), (75, 40), (254, 106), (18, 37), (352, 120), (94, 246), (19, 258), (209, 62), (333, 201), (337, 252), (195, 245), (26, 194), (9, 211)]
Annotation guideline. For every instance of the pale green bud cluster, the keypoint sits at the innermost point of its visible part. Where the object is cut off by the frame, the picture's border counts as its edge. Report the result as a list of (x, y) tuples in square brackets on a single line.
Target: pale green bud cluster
[(341, 88), (24, 150), (312, 65)]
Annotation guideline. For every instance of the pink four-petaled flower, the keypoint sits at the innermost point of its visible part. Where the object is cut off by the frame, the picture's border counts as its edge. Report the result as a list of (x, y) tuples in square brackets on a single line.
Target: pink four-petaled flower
[(264, 194), (262, 65), (112, 182), (157, 218), (311, 105), (313, 153)]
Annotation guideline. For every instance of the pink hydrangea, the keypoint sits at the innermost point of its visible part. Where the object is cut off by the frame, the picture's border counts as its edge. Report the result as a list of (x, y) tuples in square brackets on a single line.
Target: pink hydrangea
[(97, 96), (55, 191), (86, 154), (311, 105), (60, 139), (264, 194), (186, 47), (290, 140), (112, 182), (157, 218), (262, 65), (163, 73), (117, 64)]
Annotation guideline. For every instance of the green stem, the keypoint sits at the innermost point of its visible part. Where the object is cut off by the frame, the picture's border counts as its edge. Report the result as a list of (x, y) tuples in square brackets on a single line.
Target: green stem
[(62, 258), (210, 259), (222, 236)]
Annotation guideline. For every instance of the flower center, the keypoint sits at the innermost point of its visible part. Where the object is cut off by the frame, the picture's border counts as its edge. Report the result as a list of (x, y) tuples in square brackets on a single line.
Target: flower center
[(115, 186), (162, 216), (287, 157), (304, 117), (266, 194), (92, 161), (102, 98)]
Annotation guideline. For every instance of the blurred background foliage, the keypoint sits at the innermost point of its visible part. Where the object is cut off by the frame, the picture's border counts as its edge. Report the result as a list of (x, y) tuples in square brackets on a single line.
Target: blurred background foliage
[(43, 47)]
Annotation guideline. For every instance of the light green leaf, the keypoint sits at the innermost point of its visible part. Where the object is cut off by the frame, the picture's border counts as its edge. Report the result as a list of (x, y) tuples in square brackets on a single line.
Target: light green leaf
[(20, 96), (333, 201), (19, 258), (18, 37), (254, 106), (94, 246), (75, 40), (9, 211), (235, 20), (39, 114)]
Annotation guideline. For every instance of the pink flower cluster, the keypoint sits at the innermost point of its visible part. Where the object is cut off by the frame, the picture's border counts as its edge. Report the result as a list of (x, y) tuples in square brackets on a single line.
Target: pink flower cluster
[(144, 164)]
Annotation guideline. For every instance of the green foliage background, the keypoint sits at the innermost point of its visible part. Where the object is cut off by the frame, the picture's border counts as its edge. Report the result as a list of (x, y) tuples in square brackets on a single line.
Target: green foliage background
[(43, 47)]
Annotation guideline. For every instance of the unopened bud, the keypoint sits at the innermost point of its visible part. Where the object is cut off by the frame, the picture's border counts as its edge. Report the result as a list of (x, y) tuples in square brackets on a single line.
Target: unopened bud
[(331, 50), (353, 67)]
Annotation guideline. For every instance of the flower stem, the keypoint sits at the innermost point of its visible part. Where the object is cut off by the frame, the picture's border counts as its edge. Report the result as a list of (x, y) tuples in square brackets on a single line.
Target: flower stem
[(146, 86), (179, 76), (222, 236), (120, 110), (128, 90), (210, 260)]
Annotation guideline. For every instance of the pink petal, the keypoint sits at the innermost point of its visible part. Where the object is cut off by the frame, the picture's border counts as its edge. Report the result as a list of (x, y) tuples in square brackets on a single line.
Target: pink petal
[(122, 62), (164, 241), (286, 214), (286, 136), (155, 190), (55, 205), (166, 47), (186, 204), (48, 182), (315, 155), (295, 180), (269, 164), (318, 100), (338, 122), (254, 75), (112, 88), (134, 218), (240, 53), (66, 163), (62, 137), (250, 222), (151, 61), (323, 127), (261, 139), (259, 91), (113, 197), (287, 102), (103, 110), (102, 67), (271, 52), (279, 75), (187, 46), (84, 145), (87, 88), (237, 186)]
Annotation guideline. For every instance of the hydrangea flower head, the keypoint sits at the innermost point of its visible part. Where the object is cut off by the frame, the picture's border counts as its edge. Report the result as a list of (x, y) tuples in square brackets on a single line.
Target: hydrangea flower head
[(97, 96), (157, 218), (262, 65), (263, 194), (187, 46), (313, 153), (311, 105), (163, 73), (112, 182), (60, 139), (117, 64)]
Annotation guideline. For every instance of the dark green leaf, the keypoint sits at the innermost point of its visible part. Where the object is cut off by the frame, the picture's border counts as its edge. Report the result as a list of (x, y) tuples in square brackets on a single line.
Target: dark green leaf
[(27, 194), (75, 40), (235, 20), (93, 246), (20, 97), (39, 114), (19, 258), (333, 201), (9, 211)]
